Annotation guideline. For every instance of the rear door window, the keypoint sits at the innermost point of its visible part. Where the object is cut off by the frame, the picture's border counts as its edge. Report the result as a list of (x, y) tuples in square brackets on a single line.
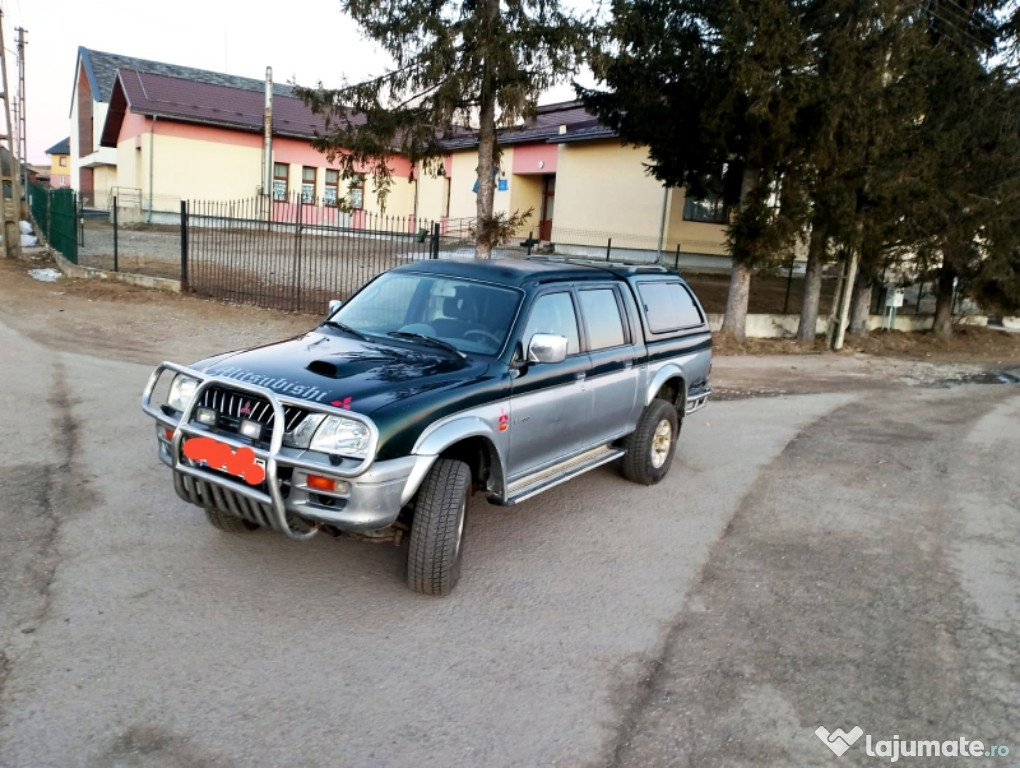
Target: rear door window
[(602, 318), (668, 306)]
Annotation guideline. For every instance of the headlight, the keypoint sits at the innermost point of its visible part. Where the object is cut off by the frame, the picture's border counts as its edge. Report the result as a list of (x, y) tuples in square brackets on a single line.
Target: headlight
[(337, 434), (182, 389), (301, 436)]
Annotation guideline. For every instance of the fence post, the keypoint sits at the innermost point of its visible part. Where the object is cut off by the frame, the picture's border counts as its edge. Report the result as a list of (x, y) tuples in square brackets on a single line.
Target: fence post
[(789, 282), (115, 234), (185, 286), (296, 286), (434, 247), (609, 248)]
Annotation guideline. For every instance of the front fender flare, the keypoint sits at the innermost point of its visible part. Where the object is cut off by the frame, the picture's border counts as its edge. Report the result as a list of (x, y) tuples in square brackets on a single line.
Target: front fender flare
[(441, 435)]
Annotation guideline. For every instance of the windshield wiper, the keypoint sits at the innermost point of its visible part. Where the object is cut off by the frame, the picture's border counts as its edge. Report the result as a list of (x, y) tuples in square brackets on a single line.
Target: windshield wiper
[(346, 329), (428, 340)]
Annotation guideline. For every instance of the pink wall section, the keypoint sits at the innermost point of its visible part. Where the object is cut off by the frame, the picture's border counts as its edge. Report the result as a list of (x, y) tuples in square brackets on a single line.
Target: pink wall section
[(330, 216), (132, 125), (301, 152), (285, 150), (527, 157)]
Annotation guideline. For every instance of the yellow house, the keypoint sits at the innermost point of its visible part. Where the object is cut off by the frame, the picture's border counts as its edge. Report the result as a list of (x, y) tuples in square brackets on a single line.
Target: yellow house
[(60, 164), (587, 192)]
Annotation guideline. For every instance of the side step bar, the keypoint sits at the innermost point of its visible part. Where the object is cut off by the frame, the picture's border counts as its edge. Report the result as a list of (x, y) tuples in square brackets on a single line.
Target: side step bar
[(533, 484), (697, 401)]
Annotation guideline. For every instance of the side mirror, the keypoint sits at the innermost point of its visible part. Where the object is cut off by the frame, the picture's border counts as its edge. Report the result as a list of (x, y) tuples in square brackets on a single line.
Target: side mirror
[(334, 305), (547, 348)]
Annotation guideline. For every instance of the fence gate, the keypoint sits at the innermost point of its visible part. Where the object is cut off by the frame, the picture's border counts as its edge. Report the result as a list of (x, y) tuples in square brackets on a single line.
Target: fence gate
[(63, 234), (56, 215)]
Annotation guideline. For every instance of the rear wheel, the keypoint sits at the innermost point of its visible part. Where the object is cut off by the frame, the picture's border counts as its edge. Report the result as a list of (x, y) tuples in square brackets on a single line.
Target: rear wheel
[(651, 447), (437, 531), (227, 521)]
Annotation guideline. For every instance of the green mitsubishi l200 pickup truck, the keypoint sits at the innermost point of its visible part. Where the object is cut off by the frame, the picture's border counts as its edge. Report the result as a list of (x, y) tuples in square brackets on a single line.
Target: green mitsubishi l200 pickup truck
[(436, 380)]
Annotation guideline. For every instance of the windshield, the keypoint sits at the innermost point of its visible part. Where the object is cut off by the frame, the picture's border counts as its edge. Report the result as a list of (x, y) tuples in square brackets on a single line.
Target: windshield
[(470, 316)]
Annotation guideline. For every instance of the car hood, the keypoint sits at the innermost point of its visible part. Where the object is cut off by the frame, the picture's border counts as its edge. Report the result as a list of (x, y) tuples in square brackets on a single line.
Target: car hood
[(345, 372)]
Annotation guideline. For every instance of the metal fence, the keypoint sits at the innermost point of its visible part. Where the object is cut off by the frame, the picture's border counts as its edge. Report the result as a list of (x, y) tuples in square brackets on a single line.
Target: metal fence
[(120, 239), (295, 255), (55, 212)]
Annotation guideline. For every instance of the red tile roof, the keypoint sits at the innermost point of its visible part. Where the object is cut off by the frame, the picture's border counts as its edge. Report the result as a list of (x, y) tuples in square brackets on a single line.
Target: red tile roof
[(191, 101)]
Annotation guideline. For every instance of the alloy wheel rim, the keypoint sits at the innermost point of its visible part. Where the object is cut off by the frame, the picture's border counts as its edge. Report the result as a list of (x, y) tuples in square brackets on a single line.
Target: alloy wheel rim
[(661, 440)]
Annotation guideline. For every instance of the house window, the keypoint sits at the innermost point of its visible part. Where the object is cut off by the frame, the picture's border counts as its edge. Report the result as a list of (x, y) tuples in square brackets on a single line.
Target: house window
[(280, 181), (710, 208), (63, 162), (356, 193), (307, 184), (332, 184)]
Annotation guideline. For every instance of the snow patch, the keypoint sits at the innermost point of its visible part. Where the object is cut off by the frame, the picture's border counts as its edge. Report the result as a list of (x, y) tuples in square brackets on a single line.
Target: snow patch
[(48, 275)]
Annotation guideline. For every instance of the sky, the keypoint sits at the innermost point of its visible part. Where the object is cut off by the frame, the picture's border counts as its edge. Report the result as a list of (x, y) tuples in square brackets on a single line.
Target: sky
[(303, 40)]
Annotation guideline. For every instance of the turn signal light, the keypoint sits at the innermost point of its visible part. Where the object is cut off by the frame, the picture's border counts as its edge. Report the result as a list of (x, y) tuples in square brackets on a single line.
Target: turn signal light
[(320, 483), (168, 434)]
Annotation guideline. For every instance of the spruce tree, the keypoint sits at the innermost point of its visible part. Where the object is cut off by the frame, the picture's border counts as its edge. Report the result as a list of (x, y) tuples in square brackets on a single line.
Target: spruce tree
[(713, 88), (455, 64)]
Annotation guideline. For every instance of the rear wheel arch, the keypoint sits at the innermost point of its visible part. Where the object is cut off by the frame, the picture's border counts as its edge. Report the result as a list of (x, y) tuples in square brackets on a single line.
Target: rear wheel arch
[(674, 391)]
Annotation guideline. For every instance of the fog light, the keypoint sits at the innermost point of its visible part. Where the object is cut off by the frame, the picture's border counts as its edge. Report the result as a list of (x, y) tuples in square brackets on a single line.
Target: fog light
[(250, 429), (205, 416)]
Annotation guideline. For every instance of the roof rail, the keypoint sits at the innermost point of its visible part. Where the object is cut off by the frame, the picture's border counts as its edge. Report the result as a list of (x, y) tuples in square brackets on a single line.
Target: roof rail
[(628, 266)]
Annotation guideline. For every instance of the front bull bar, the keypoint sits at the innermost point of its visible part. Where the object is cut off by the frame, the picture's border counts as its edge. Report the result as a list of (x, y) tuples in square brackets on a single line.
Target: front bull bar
[(184, 428)]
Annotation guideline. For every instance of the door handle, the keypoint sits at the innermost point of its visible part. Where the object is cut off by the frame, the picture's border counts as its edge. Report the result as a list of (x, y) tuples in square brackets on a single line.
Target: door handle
[(580, 376)]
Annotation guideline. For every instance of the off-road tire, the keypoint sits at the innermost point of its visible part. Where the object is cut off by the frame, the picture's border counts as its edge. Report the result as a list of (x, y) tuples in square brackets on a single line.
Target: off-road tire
[(437, 530), (647, 460), (229, 522)]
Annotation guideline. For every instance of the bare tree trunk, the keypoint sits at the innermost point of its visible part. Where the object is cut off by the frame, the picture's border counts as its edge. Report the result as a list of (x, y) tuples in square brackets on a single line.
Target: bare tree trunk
[(735, 320), (817, 249), (486, 152), (860, 309), (839, 332), (944, 304)]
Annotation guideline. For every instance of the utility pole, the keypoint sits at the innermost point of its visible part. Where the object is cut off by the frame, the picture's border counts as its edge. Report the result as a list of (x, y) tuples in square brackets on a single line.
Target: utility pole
[(21, 131), (9, 184)]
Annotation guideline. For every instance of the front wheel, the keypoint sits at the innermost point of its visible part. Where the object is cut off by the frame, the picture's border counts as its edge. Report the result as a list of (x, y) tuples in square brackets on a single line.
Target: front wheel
[(650, 447), (437, 530)]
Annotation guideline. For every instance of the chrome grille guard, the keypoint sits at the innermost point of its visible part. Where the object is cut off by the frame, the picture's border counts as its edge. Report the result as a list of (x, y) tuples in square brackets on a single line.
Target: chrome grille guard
[(184, 428)]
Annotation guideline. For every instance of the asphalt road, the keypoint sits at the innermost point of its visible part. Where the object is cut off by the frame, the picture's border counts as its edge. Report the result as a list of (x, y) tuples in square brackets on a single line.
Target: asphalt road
[(838, 559)]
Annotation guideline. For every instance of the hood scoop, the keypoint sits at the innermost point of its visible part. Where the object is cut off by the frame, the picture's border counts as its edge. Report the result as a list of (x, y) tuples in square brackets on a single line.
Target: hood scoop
[(323, 368), (344, 367)]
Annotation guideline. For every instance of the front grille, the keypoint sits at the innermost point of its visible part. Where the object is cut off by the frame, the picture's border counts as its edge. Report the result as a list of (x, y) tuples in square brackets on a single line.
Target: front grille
[(232, 406)]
